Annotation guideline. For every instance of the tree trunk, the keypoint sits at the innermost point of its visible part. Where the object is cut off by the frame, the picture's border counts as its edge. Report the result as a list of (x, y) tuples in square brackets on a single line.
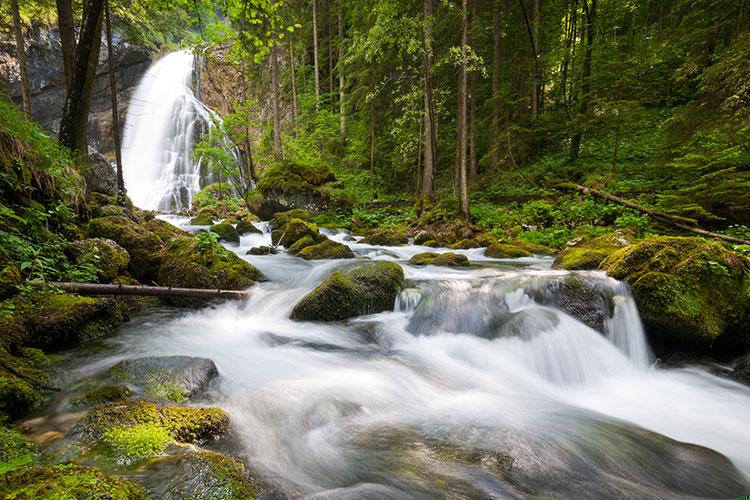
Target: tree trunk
[(21, 56), (315, 54), (430, 149), (340, 65), (295, 107), (66, 25), (495, 104), (534, 57), (142, 290), (473, 103), (590, 12), (463, 196), (330, 53), (115, 109), (276, 104), (74, 122), (248, 156), (535, 76)]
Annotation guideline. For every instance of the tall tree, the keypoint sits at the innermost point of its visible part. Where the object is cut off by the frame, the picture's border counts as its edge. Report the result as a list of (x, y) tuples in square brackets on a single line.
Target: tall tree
[(340, 66), (495, 103), (115, 108), (429, 149), (21, 57), (473, 101), (536, 50), (590, 14), (534, 56), (66, 26), (74, 122), (276, 104), (315, 53), (463, 195), (293, 78)]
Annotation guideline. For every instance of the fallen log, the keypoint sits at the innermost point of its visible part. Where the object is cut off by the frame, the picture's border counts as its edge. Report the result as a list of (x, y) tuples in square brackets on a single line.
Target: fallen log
[(684, 223), (154, 291)]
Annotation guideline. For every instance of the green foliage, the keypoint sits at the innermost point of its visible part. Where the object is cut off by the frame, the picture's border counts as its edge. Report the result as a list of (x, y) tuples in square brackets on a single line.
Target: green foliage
[(208, 242)]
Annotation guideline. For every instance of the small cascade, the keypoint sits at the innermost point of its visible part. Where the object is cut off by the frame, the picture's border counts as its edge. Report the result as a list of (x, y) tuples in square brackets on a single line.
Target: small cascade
[(163, 120)]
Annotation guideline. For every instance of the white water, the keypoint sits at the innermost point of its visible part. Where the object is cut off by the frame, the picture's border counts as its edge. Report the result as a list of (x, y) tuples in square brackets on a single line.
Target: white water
[(163, 119), (467, 358)]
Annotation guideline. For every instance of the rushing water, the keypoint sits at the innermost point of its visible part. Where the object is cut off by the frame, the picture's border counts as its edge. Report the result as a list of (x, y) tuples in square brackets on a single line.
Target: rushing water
[(470, 386), (163, 120)]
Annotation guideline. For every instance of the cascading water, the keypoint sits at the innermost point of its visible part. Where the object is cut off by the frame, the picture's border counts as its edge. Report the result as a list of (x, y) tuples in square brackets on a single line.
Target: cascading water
[(478, 385), (163, 120)]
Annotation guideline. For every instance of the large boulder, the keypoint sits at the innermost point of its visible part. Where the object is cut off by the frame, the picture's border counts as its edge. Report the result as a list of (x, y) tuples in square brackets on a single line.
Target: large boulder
[(67, 481), (448, 259), (589, 254), (369, 289), (386, 236), (100, 175), (189, 263), (293, 231), (172, 378), (692, 294), (578, 297), (109, 258), (247, 227), (226, 232), (506, 251), (327, 249)]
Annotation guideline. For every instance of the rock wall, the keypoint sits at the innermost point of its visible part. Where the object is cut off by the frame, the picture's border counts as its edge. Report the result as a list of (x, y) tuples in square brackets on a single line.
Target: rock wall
[(46, 75)]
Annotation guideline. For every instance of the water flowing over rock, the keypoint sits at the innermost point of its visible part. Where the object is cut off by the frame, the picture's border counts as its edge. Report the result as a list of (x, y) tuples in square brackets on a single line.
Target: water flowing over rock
[(173, 378)]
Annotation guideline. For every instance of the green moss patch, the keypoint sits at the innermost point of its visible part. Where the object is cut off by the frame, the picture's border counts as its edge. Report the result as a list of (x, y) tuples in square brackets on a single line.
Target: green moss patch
[(506, 251), (102, 395), (448, 259), (326, 250), (67, 482), (15, 451), (386, 236), (589, 254), (136, 443)]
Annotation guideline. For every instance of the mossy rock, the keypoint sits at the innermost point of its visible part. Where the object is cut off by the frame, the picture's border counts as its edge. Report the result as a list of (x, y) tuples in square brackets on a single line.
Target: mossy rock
[(185, 263), (226, 232), (201, 220), (18, 375), (142, 245), (506, 251), (165, 230), (169, 378), (328, 249), (464, 244), (199, 475), (485, 239), (103, 395), (432, 244), (386, 236), (184, 424), (295, 230), (67, 482), (128, 445), (261, 250), (247, 227), (423, 237), (300, 245), (448, 259), (10, 278), (110, 258), (692, 294), (589, 254), (369, 289), (64, 320), (15, 450), (281, 219)]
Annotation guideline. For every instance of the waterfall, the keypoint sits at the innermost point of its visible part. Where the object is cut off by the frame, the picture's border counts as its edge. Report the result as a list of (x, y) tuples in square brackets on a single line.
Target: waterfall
[(163, 119)]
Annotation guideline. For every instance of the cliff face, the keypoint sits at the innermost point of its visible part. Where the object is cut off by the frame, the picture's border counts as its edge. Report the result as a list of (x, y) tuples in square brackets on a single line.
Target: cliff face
[(47, 81)]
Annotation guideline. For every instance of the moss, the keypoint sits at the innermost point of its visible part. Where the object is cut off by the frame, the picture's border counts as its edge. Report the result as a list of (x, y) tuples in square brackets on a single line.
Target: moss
[(165, 230), (226, 232), (448, 259), (184, 424), (423, 237), (365, 290), (485, 239), (261, 250), (186, 264), (102, 395), (300, 244), (506, 251), (15, 451), (67, 482), (464, 244), (201, 220), (281, 219), (386, 236), (432, 244), (247, 227), (110, 259), (202, 474), (142, 245), (10, 278), (326, 250), (136, 443), (691, 293), (293, 231), (589, 254)]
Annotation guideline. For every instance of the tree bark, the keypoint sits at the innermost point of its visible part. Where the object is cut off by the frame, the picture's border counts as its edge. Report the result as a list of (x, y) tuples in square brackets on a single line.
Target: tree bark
[(535, 59), (115, 109), (74, 122), (537, 49), (590, 12), (21, 56), (152, 291), (315, 54), (340, 66), (295, 107), (495, 105), (330, 54), (463, 195), (473, 102), (276, 104), (429, 116), (66, 25)]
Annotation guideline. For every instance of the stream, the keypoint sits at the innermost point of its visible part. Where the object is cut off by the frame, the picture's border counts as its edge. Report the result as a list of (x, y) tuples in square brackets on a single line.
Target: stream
[(475, 386)]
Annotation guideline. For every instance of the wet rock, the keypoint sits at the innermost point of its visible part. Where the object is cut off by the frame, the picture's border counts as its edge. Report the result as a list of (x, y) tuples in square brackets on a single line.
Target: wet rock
[(261, 250), (18, 395), (485, 239), (326, 250), (506, 251), (589, 254), (692, 294), (387, 237), (464, 244), (245, 227), (741, 372), (448, 259), (281, 219), (164, 230), (295, 230), (201, 220), (226, 232), (107, 256), (67, 481), (102, 395), (172, 378), (579, 298), (300, 245), (100, 175), (369, 289), (423, 236)]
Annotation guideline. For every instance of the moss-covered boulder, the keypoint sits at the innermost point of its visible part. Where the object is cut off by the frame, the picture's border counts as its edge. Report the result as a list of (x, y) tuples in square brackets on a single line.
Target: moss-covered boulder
[(300, 245), (10, 278), (142, 245), (192, 264), (506, 251), (423, 237), (22, 377), (107, 256), (202, 220), (369, 289), (281, 219), (485, 239), (247, 227), (165, 230), (184, 424), (261, 250), (432, 244), (15, 450), (328, 249), (448, 259), (464, 244), (102, 395), (170, 378), (386, 236), (295, 230), (589, 254), (226, 232), (692, 294), (67, 482), (199, 475)]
